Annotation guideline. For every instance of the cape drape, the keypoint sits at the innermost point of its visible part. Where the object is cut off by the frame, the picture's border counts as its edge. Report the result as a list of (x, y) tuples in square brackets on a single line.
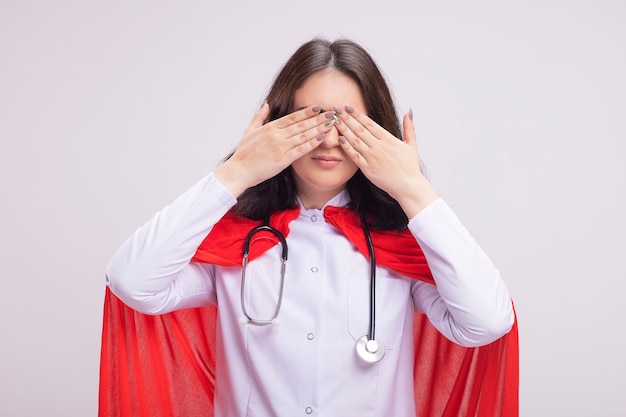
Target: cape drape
[(163, 366)]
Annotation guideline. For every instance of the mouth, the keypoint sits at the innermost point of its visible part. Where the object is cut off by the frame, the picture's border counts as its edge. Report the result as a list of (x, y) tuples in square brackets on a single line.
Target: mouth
[(326, 158), (326, 161)]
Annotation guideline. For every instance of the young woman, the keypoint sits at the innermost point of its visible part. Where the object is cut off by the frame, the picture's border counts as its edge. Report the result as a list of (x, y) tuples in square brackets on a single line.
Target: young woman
[(325, 162)]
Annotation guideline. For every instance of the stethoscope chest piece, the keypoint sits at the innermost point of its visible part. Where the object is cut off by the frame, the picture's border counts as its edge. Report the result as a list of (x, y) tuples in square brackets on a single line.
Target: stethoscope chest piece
[(370, 350)]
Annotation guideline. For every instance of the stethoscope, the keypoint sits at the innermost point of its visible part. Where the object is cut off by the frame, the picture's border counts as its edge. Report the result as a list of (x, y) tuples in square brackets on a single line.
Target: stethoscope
[(368, 347)]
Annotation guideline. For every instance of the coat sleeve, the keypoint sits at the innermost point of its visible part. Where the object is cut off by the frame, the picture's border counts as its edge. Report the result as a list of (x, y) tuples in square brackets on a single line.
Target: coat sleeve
[(470, 303), (151, 272)]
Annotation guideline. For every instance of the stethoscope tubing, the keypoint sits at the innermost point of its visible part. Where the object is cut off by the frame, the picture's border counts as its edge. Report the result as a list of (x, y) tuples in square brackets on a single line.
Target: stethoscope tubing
[(244, 263), (368, 348), (370, 248)]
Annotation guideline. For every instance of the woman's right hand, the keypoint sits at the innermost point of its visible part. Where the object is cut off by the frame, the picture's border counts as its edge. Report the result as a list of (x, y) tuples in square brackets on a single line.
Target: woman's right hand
[(266, 149)]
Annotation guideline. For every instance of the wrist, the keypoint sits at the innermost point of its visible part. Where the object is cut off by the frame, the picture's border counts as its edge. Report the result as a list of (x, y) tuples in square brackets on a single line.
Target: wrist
[(232, 177), (417, 199)]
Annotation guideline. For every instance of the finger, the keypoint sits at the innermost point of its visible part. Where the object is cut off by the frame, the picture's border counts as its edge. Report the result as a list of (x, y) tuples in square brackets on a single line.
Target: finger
[(297, 116), (359, 138), (303, 125), (317, 132), (409, 129), (356, 148), (259, 117), (300, 149), (306, 129), (353, 153), (362, 126)]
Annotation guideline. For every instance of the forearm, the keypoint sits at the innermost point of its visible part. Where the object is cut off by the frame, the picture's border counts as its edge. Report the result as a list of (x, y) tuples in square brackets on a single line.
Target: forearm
[(470, 303), (144, 270)]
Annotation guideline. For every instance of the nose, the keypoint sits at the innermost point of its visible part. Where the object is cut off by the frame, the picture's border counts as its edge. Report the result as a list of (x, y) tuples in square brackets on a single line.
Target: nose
[(331, 139)]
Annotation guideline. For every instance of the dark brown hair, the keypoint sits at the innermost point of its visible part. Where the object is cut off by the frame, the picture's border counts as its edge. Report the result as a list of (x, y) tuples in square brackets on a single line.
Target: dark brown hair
[(279, 192)]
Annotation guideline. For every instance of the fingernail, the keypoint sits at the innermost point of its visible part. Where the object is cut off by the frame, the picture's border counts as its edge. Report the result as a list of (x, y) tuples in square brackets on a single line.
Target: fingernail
[(317, 109), (329, 114), (337, 109), (410, 113), (349, 108), (321, 137), (342, 140), (331, 122), (337, 120)]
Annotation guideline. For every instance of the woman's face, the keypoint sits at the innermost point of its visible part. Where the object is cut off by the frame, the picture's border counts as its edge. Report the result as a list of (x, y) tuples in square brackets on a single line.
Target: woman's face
[(324, 172)]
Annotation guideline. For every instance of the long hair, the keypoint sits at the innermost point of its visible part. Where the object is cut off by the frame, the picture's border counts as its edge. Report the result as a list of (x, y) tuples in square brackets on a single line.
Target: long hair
[(279, 192)]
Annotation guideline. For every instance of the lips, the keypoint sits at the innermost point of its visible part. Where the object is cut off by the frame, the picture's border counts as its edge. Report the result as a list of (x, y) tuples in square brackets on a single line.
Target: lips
[(327, 158), (326, 161)]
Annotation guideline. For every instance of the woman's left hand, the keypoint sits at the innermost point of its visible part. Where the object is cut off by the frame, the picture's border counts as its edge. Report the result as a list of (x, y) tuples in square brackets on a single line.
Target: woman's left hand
[(389, 163)]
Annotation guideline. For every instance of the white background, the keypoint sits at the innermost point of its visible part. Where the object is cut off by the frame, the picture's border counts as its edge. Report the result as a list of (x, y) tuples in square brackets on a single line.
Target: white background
[(109, 110)]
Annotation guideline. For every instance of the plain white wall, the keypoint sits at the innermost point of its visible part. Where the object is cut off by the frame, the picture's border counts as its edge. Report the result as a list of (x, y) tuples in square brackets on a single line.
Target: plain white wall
[(109, 110)]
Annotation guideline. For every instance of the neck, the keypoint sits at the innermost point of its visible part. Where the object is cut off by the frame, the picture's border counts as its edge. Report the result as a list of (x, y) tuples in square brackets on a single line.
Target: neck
[(317, 201)]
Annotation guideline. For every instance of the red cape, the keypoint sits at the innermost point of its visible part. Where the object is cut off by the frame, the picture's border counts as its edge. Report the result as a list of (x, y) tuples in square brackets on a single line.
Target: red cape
[(163, 366)]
